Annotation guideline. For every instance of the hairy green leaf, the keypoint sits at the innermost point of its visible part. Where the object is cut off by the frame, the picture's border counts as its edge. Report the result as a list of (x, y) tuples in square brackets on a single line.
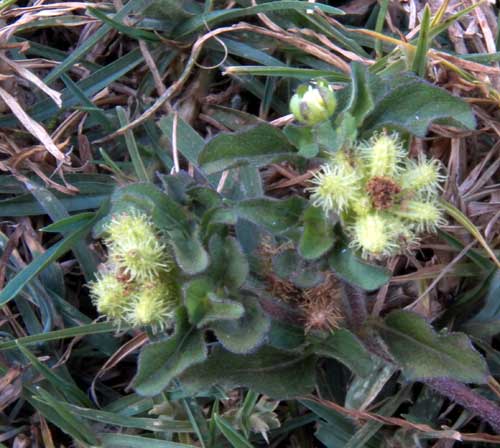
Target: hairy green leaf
[(423, 104), (270, 371), (304, 139), (203, 305), (354, 270), (361, 101), (257, 145), (422, 353), (246, 333), (318, 237), (274, 215), (159, 362), (189, 252), (346, 348), (229, 265)]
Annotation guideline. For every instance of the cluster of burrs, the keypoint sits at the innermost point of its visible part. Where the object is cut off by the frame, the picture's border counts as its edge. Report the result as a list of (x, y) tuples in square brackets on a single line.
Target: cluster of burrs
[(384, 199), (137, 285)]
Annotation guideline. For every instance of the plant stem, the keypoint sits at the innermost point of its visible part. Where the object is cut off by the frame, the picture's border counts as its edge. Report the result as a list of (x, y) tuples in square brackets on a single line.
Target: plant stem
[(384, 5), (280, 311), (470, 400), (354, 300)]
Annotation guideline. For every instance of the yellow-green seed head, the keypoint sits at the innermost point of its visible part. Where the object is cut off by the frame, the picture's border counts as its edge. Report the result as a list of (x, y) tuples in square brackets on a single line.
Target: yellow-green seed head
[(110, 295), (130, 227), (135, 247), (313, 104), (382, 155), (374, 235), (142, 263), (348, 160), (404, 233), (422, 177), (424, 216), (153, 305), (335, 187), (362, 206)]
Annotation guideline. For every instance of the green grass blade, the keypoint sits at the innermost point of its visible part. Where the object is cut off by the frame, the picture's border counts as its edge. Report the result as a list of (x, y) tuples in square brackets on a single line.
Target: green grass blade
[(110, 440), (247, 409), (379, 26), (15, 286), (482, 58), (129, 405), (149, 424), (197, 420), (257, 88), (473, 254), (98, 115), (69, 390), (212, 426), (124, 29), (111, 164), (82, 330), (53, 416), (86, 258), (44, 51), (51, 22), (369, 429), (4, 4), (87, 45), (420, 59), (25, 205), (233, 437), (246, 51), (78, 428), (68, 224), (497, 37), (202, 21), (326, 28), (285, 72), (133, 150), (189, 142), (443, 26)]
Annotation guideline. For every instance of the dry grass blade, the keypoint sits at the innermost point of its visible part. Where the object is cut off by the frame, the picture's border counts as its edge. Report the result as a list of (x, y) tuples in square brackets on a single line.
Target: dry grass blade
[(458, 216), (324, 40), (128, 61), (126, 349), (435, 55), (46, 434), (441, 275), (60, 7), (395, 421), (10, 387), (439, 56), (33, 127), (29, 76), (302, 44)]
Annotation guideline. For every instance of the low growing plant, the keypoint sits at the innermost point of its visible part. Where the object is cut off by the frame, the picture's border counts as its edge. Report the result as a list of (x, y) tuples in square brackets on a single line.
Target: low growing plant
[(237, 283), (294, 276)]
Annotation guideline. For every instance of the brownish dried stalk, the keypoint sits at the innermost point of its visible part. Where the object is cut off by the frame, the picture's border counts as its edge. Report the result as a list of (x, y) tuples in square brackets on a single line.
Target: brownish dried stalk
[(399, 422)]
